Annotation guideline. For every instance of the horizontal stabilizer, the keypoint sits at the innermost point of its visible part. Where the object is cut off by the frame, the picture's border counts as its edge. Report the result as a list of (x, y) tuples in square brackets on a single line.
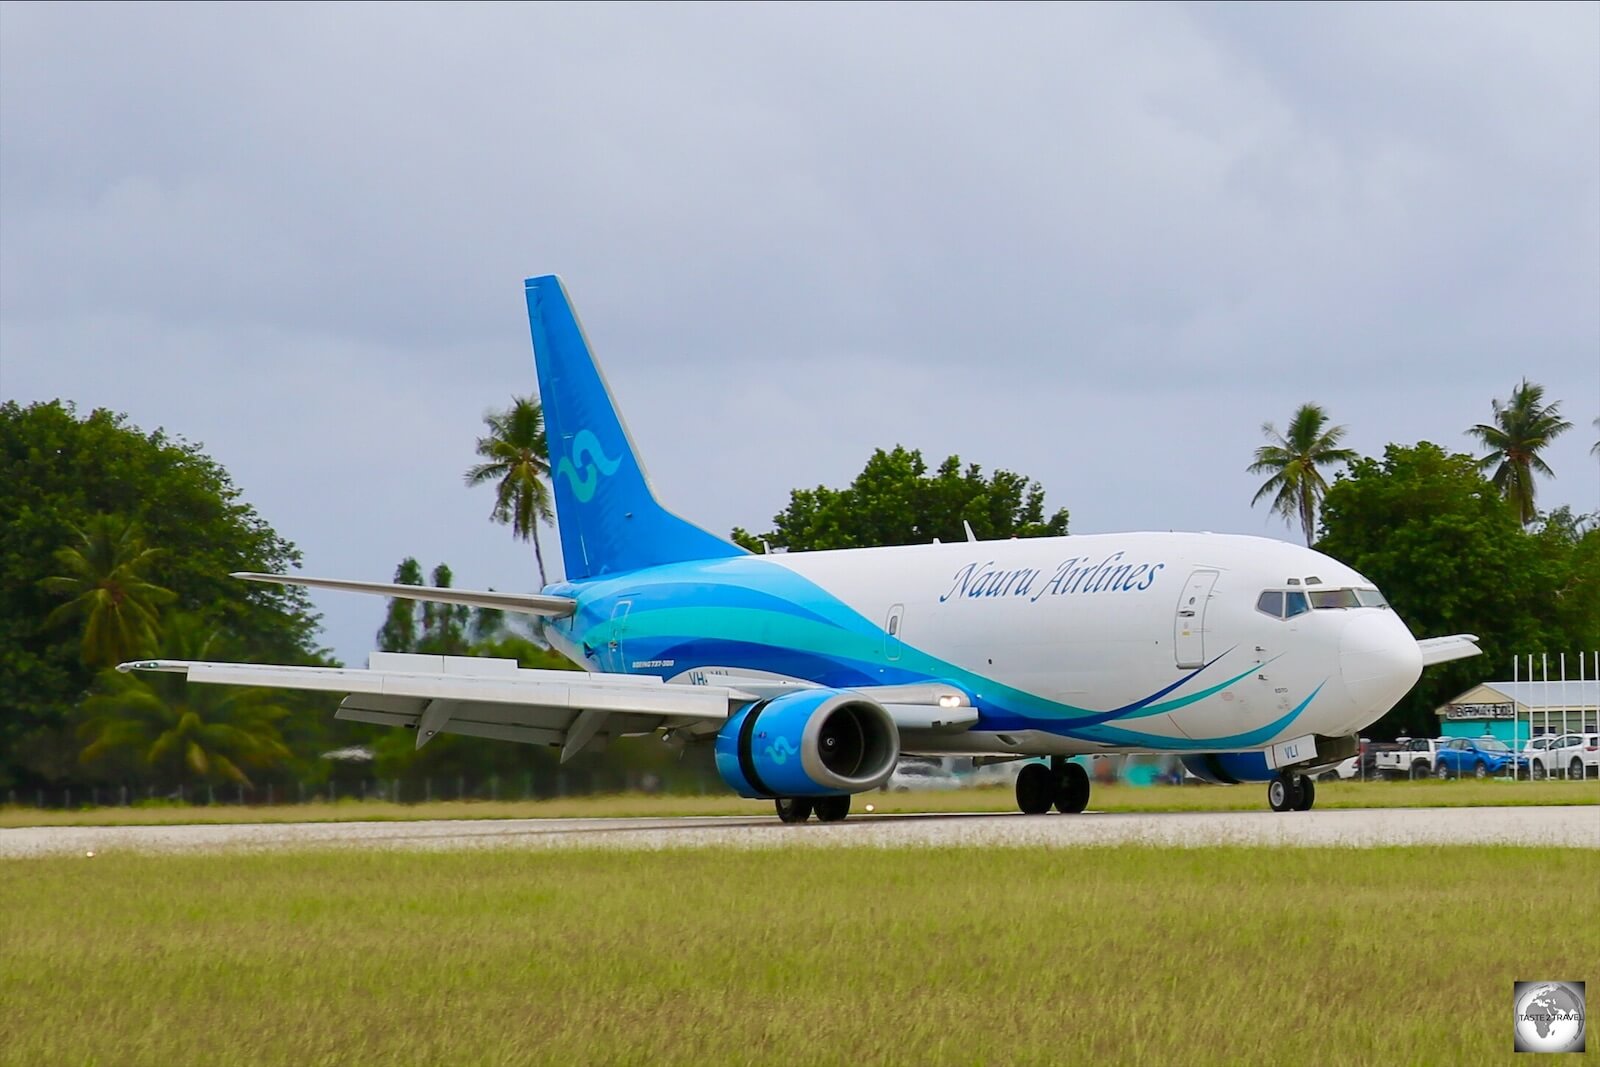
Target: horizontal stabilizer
[(1444, 649), (525, 603)]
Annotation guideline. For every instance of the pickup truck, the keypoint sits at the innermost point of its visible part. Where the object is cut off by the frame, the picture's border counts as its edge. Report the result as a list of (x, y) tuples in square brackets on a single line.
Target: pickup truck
[(1411, 757)]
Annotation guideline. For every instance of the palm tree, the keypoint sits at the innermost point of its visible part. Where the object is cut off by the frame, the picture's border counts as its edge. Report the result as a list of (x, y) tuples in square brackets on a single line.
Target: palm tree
[(1521, 429), (517, 459), (103, 573), (1296, 485), (184, 733), (1595, 448)]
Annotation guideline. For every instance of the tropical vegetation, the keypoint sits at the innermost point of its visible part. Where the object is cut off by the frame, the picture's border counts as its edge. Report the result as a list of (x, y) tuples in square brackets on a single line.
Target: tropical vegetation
[(516, 459), (1294, 460), (1522, 428)]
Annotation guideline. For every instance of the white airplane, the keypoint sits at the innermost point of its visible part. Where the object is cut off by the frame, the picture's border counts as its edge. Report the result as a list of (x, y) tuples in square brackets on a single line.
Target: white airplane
[(812, 673)]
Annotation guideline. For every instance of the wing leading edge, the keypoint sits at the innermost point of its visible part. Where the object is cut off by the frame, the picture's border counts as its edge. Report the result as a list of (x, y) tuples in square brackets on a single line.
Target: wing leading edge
[(526, 603)]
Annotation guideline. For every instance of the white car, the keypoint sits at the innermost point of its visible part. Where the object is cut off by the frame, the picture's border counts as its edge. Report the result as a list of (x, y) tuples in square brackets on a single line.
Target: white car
[(1535, 759), (1350, 768), (908, 776), (1574, 755)]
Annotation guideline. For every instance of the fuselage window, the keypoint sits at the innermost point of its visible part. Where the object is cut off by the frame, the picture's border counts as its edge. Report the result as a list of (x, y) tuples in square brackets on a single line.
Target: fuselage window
[(1271, 603)]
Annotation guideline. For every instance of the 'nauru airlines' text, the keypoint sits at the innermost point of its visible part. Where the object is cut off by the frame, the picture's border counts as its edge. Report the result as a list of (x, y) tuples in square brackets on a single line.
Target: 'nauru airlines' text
[(1076, 575)]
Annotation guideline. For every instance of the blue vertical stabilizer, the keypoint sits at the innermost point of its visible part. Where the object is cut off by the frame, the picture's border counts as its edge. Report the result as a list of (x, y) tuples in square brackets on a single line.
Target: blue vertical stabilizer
[(609, 519)]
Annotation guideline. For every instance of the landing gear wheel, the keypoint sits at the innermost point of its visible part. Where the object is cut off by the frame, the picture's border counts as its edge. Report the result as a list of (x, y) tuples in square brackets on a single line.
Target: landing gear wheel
[(1285, 791), (1308, 794), (793, 809), (831, 809), (1072, 789), (1036, 789)]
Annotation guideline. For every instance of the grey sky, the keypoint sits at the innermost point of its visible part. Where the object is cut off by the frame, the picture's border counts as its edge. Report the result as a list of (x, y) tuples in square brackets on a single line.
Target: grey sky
[(1095, 244)]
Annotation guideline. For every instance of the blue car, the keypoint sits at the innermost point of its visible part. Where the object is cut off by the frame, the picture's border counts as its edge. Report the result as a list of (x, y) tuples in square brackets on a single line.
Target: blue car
[(1477, 756)]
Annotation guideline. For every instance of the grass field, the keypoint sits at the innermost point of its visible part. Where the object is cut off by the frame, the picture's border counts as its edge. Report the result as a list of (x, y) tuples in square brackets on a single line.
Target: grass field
[(1423, 794), (1141, 955)]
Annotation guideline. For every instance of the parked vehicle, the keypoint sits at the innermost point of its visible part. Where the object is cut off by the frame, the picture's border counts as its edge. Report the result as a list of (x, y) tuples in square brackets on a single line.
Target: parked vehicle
[(1575, 755), (1534, 759), (1476, 756), (910, 775), (1412, 757)]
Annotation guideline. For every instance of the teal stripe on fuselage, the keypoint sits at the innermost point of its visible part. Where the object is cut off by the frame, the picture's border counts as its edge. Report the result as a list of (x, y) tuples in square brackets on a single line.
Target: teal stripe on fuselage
[(768, 615)]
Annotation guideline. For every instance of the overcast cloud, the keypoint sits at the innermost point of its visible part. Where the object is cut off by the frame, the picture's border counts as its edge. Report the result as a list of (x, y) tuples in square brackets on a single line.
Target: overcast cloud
[(1095, 244)]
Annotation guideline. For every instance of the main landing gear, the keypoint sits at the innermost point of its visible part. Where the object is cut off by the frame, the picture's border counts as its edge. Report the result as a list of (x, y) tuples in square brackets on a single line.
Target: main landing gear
[(799, 809), (1291, 792), (1062, 785)]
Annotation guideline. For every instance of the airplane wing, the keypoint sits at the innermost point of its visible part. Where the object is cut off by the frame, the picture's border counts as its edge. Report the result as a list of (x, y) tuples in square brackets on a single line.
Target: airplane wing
[(578, 711), (526, 603), (1444, 649)]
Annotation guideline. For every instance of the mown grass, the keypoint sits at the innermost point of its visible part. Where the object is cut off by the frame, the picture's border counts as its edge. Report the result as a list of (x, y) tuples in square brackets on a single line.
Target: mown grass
[(1422, 794), (1144, 955)]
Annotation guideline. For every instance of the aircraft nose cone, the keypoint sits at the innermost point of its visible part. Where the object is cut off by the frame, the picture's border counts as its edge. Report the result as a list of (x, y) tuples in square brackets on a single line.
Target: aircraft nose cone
[(1378, 660)]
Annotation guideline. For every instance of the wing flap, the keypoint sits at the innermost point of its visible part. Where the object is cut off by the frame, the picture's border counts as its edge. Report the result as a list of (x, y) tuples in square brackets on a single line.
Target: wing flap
[(566, 691)]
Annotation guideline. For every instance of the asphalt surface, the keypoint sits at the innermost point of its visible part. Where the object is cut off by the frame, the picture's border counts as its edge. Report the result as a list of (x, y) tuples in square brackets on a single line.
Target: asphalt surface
[(1573, 827)]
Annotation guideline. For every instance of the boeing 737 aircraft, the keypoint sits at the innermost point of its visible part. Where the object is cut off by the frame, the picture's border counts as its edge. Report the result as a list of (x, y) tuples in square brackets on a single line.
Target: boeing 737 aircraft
[(812, 673)]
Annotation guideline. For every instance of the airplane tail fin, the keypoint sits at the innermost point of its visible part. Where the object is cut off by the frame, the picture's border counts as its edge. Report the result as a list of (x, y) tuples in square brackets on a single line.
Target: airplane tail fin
[(609, 519)]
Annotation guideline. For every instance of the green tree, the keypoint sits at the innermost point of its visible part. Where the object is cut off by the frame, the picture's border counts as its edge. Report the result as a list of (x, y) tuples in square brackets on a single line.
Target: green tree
[(1521, 429), (1293, 459), (516, 457), (180, 733), (1451, 557), (896, 501), (399, 630), (444, 626), (59, 469), (102, 572), (1594, 449)]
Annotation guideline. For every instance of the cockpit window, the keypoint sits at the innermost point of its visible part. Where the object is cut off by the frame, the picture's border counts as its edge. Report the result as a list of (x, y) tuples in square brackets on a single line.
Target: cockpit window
[(1371, 598), (1323, 599), (1271, 603), (1294, 604)]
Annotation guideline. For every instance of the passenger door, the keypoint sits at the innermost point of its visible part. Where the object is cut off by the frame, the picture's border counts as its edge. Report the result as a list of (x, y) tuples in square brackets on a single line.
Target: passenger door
[(1189, 626)]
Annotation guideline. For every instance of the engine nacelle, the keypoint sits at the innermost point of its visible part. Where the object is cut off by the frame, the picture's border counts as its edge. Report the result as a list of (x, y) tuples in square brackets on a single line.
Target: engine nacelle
[(1230, 768), (808, 743)]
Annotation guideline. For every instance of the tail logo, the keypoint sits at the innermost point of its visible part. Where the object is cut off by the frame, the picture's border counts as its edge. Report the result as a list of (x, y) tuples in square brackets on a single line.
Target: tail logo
[(592, 460)]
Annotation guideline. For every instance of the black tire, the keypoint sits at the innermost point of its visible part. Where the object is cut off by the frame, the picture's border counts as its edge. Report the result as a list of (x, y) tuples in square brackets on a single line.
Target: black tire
[(1282, 794), (1536, 770), (1480, 770), (831, 809), (1308, 794), (793, 809), (1072, 791), (1036, 789), (1575, 769), (1420, 770), (1440, 770)]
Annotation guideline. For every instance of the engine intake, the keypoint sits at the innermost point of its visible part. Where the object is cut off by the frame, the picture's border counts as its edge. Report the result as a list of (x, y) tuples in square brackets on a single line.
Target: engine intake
[(808, 743)]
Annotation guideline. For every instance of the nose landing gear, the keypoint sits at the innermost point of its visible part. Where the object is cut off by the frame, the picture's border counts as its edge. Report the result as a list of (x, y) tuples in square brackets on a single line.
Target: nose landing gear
[(1291, 792)]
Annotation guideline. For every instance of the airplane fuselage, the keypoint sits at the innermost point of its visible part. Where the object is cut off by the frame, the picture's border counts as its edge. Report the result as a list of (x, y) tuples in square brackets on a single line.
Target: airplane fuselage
[(1156, 642)]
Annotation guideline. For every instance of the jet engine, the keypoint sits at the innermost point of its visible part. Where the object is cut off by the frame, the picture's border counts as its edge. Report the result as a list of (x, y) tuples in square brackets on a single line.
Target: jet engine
[(808, 743)]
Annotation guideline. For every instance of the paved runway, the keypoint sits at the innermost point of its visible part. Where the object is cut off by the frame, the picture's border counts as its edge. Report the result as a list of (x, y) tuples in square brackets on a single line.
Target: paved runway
[(1576, 827)]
